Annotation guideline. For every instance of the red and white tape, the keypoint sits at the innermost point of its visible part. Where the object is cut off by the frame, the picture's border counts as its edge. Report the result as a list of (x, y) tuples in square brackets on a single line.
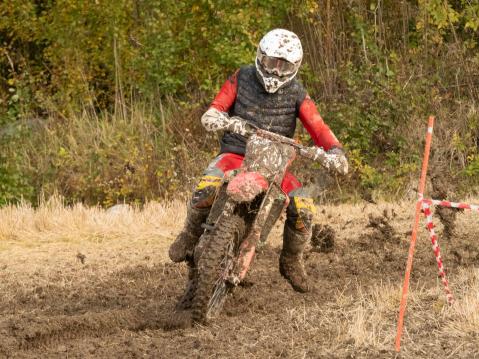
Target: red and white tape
[(459, 205), (435, 247)]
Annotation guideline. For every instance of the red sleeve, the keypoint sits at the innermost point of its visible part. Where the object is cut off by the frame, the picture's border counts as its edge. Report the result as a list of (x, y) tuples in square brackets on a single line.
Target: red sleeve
[(227, 95), (314, 124)]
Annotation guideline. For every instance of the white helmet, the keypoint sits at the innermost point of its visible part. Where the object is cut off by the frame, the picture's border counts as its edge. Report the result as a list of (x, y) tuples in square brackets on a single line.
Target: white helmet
[(278, 58)]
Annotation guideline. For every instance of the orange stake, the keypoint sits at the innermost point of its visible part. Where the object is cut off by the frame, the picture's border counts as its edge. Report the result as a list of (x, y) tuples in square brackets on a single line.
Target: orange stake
[(422, 185)]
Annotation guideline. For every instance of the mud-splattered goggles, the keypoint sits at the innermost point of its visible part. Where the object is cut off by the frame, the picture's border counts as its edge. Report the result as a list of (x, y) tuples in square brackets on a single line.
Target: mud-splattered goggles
[(275, 65)]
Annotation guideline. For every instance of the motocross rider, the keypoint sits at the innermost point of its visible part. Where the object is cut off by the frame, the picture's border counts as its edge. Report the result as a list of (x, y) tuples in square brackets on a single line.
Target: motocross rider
[(268, 95)]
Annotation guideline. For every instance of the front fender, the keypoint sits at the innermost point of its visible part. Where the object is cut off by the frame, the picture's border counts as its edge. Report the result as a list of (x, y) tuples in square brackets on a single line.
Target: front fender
[(246, 186)]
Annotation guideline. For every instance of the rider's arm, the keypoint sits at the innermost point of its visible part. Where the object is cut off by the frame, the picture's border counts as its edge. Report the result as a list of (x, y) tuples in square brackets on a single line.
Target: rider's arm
[(317, 128), (227, 95), (214, 119)]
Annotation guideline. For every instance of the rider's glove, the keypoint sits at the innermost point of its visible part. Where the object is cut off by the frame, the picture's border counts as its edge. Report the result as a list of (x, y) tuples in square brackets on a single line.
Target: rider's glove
[(338, 160), (214, 120)]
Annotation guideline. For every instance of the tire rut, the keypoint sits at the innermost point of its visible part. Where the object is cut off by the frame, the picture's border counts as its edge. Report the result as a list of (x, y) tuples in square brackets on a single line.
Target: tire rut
[(33, 331)]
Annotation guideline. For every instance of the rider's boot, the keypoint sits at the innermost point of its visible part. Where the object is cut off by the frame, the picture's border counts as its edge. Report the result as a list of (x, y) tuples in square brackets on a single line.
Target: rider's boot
[(186, 299), (184, 244), (291, 264)]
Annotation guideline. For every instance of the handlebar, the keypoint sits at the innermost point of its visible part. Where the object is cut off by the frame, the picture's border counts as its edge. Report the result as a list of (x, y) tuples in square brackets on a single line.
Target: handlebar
[(317, 154), (313, 153)]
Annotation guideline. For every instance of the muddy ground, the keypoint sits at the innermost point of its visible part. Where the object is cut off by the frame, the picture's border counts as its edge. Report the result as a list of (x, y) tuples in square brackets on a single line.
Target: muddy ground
[(113, 296)]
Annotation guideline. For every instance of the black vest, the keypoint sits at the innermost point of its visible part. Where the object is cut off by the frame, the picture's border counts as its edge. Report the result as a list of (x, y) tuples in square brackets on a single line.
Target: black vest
[(275, 112)]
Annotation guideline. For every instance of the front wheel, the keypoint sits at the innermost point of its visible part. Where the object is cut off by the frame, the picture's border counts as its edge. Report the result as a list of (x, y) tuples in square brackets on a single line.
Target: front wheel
[(217, 261)]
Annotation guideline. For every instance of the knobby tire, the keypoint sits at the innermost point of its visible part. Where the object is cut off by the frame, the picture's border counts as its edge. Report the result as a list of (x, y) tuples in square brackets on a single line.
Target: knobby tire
[(221, 247)]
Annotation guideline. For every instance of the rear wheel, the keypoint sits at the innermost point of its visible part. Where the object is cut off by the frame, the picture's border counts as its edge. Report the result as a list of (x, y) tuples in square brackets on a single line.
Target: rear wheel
[(217, 261)]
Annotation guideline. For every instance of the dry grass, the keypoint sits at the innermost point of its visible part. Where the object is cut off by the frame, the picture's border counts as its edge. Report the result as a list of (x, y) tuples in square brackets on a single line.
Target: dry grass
[(54, 237), (53, 221), (365, 322), (463, 318)]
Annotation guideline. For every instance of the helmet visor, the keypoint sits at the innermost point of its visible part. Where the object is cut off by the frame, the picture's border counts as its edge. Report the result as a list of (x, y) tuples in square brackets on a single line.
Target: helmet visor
[(275, 65)]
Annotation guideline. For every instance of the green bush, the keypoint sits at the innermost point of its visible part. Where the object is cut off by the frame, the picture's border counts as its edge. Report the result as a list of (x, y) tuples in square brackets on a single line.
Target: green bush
[(72, 54), (14, 184), (107, 159)]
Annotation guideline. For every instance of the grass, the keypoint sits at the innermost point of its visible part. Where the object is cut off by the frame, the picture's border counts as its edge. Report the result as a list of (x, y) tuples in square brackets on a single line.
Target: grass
[(53, 221)]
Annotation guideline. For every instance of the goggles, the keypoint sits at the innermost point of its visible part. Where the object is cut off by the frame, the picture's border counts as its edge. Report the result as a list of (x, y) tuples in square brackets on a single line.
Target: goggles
[(275, 65)]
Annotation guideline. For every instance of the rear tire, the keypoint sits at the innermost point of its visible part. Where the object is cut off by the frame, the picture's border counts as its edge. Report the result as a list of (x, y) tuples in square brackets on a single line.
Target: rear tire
[(217, 259)]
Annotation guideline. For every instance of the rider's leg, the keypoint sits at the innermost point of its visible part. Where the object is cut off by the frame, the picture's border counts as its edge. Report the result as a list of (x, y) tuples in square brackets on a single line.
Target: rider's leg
[(183, 247), (297, 233), (197, 212), (199, 207)]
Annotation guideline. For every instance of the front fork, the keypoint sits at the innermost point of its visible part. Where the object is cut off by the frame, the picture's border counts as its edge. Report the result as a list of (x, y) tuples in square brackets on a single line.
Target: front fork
[(225, 206), (248, 246)]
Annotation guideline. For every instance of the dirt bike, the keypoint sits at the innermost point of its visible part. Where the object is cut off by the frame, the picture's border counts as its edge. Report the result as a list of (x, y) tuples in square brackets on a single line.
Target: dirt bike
[(246, 206)]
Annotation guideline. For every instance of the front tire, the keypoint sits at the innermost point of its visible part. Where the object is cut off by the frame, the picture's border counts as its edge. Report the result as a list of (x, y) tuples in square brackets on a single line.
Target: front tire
[(217, 260)]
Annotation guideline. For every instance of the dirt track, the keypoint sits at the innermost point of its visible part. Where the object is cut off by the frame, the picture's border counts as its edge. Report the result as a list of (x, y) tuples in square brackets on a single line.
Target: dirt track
[(119, 301)]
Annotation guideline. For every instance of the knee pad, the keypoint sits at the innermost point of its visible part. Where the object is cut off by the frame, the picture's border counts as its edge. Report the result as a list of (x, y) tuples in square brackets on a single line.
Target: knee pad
[(300, 213), (205, 191)]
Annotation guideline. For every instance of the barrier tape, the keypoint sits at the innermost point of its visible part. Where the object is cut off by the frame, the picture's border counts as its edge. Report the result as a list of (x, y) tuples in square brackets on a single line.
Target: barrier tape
[(458, 205), (437, 252)]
